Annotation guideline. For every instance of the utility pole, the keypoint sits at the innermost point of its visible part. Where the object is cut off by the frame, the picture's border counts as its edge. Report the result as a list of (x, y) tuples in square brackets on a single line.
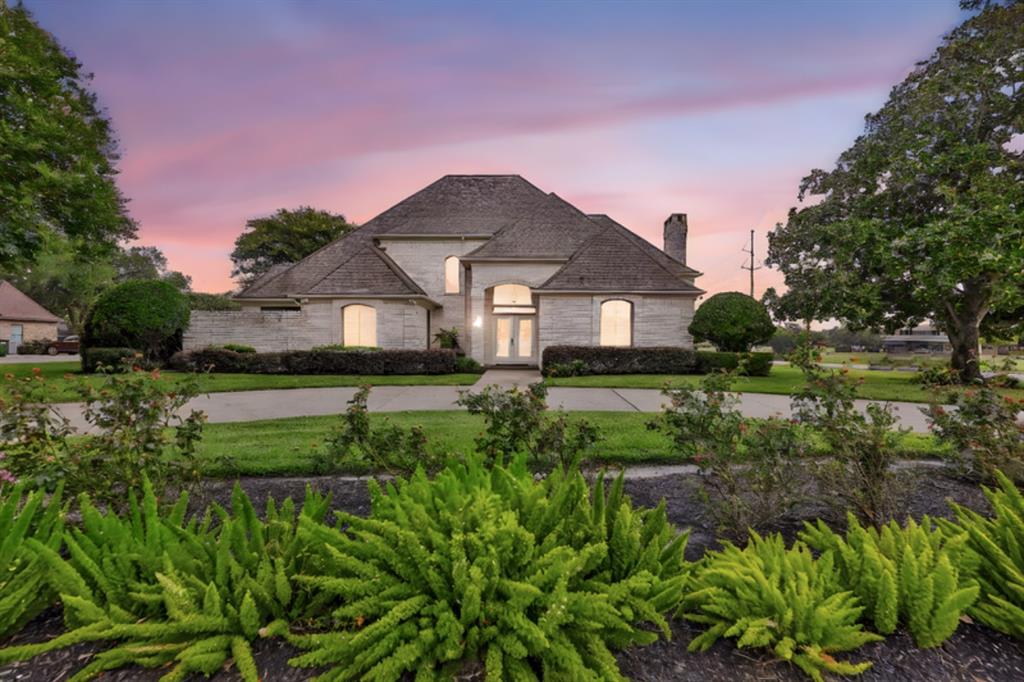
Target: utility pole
[(751, 267)]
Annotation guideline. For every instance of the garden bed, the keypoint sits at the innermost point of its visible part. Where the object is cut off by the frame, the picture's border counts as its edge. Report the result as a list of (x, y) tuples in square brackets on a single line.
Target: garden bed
[(973, 653)]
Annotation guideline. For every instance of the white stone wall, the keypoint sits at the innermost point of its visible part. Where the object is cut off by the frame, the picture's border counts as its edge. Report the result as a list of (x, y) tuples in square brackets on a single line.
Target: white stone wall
[(423, 260), (400, 324), (575, 319)]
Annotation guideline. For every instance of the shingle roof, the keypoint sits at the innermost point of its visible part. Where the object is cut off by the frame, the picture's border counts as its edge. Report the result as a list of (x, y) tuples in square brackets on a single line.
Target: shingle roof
[(523, 223), (617, 260), (553, 228), (18, 307)]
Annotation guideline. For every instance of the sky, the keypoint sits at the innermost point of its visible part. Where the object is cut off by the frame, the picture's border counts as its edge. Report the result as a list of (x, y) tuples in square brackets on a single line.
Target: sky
[(229, 110)]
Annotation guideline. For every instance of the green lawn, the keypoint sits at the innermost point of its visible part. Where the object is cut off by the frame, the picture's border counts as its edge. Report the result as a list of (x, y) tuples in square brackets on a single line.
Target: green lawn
[(287, 446), (783, 380), (832, 357), (62, 388)]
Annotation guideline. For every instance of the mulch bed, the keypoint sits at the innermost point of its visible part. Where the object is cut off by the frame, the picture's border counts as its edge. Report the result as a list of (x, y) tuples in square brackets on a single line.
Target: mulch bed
[(973, 653)]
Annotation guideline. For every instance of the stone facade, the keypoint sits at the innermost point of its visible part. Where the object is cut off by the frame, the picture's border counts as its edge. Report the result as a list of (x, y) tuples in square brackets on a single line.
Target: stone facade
[(575, 319), (400, 324), (30, 331)]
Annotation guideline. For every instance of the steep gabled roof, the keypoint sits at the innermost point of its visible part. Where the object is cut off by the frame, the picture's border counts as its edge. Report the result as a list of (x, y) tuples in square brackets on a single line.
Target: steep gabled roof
[(18, 307), (615, 259), (554, 228), (461, 205), (522, 223)]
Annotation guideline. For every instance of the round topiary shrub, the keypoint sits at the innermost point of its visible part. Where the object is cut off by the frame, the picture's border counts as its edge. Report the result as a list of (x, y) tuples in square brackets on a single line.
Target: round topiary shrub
[(733, 322), (148, 315)]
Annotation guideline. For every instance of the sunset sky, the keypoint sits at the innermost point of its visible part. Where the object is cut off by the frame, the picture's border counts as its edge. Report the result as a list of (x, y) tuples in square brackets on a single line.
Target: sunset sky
[(230, 110)]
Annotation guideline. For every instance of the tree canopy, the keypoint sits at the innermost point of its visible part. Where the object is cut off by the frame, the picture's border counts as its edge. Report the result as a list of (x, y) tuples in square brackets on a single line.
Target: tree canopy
[(923, 217), (57, 148), (286, 236)]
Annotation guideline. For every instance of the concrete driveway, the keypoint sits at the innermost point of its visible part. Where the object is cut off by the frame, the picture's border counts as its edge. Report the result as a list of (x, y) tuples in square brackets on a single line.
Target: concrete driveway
[(37, 359)]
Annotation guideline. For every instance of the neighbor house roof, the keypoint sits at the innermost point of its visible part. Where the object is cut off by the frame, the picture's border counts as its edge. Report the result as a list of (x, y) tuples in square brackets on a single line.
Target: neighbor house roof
[(17, 307), (615, 259), (519, 221)]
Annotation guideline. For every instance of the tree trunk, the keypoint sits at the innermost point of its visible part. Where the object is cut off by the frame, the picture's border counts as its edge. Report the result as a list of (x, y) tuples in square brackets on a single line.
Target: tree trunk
[(965, 340), (963, 326)]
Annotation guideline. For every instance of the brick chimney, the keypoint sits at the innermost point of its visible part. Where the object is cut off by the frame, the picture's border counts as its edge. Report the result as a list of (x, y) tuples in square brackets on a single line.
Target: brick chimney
[(675, 237)]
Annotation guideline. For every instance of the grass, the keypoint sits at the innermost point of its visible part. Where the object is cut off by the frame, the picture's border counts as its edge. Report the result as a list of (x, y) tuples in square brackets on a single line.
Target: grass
[(783, 380), (287, 446), (831, 357), (61, 378)]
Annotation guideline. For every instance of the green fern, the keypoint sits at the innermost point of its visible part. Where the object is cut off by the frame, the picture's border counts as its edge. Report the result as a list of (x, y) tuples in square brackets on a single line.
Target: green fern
[(176, 593), (784, 600), (995, 556), (27, 520), (903, 575), (488, 564)]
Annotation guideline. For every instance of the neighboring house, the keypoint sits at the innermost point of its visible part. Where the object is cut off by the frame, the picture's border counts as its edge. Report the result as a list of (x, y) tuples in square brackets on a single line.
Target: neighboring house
[(922, 338), (22, 319), (513, 268)]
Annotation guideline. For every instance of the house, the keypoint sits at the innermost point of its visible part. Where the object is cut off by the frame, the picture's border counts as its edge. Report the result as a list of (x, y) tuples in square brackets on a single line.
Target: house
[(513, 268), (22, 319), (924, 338)]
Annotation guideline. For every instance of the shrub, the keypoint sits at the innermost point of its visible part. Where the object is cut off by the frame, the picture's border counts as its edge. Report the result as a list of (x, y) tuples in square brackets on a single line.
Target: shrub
[(784, 600), (745, 364), (317, 362), (137, 430), (612, 360), (982, 432), (467, 365), (93, 359), (517, 422), (201, 301), (148, 315), (902, 575), (749, 473), (238, 348), (995, 558), (447, 338), (35, 347), (26, 521), (176, 594), (489, 564), (576, 368), (732, 322), (357, 446), (858, 473)]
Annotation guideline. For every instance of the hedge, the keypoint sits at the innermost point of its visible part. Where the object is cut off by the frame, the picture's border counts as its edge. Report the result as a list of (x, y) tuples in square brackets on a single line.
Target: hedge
[(753, 364), (568, 360), (150, 315), (94, 358), (316, 362)]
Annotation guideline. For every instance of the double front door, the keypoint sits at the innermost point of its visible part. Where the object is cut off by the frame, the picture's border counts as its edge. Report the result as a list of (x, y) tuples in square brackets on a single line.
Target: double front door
[(513, 339)]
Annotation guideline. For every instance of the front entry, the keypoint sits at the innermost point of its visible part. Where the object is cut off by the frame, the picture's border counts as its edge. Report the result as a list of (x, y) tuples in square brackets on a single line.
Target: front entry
[(513, 340)]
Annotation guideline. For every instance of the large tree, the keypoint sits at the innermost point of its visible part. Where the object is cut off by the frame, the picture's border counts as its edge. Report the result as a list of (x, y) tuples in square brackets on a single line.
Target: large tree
[(57, 148), (147, 262), (923, 217), (284, 237)]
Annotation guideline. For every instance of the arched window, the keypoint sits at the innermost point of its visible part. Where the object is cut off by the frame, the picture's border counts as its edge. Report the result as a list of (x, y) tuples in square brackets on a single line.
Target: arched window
[(616, 323), (451, 275), (359, 325), (512, 294)]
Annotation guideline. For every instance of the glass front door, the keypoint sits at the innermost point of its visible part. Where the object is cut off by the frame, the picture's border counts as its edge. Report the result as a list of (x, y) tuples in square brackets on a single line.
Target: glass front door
[(513, 339), (16, 338)]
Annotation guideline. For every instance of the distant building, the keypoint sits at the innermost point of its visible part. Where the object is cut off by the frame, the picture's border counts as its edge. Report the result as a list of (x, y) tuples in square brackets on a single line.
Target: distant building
[(22, 319), (922, 338)]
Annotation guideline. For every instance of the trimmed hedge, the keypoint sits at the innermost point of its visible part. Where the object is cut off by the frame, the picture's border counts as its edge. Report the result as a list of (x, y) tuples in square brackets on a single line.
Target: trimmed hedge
[(753, 364), (651, 360), (93, 358), (612, 360), (316, 362)]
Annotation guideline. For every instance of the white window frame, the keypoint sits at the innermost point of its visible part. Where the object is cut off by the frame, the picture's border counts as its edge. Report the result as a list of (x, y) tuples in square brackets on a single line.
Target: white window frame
[(448, 285), (607, 342), (360, 337)]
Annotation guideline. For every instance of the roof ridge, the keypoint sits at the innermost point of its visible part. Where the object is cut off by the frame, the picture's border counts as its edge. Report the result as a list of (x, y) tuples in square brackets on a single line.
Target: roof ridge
[(396, 268), (580, 250)]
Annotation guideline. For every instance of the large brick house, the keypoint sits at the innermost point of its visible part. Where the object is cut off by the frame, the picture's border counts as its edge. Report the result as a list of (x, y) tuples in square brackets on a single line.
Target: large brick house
[(22, 319), (513, 268)]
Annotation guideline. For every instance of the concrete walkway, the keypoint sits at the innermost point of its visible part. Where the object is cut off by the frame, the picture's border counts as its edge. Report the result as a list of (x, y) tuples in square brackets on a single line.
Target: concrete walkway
[(242, 406)]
